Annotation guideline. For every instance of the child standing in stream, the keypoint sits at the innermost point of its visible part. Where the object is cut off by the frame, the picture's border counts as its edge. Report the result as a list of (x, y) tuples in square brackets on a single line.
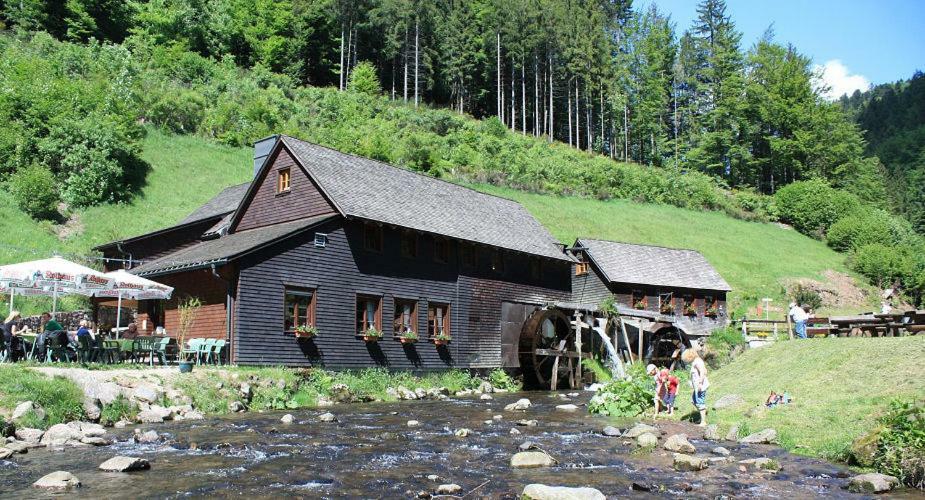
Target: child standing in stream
[(699, 382)]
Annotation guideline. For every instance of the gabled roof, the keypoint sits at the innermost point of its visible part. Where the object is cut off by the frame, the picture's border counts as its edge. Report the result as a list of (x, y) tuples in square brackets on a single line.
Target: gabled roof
[(372, 190), (652, 265), (223, 203), (228, 247)]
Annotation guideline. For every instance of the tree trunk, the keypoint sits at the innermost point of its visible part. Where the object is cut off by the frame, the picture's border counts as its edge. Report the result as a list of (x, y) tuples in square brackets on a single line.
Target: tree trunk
[(523, 99), (568, 97), (404, 53), (601, 108), (349, 45), (626, 134), (536, 98), (417, 59), (577, 118), (552, 130), (340, 71), (588, 126), (498, 53), (513, 97)]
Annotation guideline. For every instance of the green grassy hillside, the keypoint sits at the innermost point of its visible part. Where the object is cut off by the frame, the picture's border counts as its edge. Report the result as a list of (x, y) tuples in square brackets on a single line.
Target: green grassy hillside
[(840, 387), (186, 171)]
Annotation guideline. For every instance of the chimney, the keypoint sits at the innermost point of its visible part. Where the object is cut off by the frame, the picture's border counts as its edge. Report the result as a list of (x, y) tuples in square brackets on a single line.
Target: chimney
[(262, 149)]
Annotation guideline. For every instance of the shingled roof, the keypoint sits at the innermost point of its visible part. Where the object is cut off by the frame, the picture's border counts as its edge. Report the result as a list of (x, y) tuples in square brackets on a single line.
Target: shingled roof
[(223, 203), (376, 191), (218, 251), (652, 265)]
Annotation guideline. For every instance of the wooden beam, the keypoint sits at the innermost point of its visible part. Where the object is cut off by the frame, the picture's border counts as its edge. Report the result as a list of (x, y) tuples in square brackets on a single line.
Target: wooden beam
[(564, 354)]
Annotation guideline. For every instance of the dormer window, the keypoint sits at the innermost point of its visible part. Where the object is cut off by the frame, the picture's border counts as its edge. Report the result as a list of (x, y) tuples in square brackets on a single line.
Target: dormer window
[(282, 180)]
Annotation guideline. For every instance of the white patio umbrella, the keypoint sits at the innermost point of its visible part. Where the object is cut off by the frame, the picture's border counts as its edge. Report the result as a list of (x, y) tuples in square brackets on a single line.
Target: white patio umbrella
[(54, 277), (133, 287)]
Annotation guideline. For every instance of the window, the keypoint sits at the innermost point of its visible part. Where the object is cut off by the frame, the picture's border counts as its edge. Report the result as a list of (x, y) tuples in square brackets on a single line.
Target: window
[(369, 313), (409, 244), (710, 306), (282, 180), (690, 305), (405, 316), (497, 262), (441, 250), (321, 240), (666, 303), (581, 268), (536, 268), (372, 238), (467, 255), (300, 308), (438, 319), (639, 300)]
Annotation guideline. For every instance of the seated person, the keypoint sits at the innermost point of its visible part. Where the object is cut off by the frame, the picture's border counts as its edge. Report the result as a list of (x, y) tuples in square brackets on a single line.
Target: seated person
[(84, 329), (10, 336), (131, 331), (48, 325)]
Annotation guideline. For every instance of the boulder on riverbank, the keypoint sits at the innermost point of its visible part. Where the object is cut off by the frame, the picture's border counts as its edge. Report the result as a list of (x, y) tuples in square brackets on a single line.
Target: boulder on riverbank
[(760, 464), (543, 492), (27, 407), (287, 419), (640, 429), (58, 480), (611, 431), (766, 436), (646, 440), (711, 433), (124, 464), (872, 483), (531, 460)]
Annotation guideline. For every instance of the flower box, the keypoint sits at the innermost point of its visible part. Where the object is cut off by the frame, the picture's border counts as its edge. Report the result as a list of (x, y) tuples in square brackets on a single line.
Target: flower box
[(305, 332), (372, 335)]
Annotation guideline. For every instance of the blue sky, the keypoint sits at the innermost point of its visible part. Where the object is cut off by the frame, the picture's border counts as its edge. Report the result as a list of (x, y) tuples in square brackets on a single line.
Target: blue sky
[(857, 42)]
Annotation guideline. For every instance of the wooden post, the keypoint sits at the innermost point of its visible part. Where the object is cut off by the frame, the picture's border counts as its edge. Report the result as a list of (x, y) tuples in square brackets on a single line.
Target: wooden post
[(789, 326), (626, 339), (578, 322)]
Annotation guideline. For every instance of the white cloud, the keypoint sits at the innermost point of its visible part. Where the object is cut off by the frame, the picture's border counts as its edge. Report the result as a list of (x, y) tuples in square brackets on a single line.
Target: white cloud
[(835, 75)]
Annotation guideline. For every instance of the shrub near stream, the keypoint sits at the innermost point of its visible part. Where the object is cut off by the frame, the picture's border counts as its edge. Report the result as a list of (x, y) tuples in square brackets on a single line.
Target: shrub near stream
[(901, 448), (624, 398)]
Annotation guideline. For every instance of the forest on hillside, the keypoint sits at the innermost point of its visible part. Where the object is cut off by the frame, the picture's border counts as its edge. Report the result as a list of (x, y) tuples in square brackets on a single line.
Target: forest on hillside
[(585, 97), (893, 118), (600, 75)]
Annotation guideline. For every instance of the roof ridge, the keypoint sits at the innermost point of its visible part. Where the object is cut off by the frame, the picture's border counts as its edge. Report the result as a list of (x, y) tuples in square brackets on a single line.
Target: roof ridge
[(642, 245), (389, 165)]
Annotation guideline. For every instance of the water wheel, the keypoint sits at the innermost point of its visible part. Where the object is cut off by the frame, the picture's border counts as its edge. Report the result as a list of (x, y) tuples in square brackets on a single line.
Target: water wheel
[(547, 350)]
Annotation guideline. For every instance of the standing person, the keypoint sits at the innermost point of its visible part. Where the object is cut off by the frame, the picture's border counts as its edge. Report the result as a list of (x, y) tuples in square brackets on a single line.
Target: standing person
[(652, 371), (799, 316), (670, 389), (699, 382), (11, 335)]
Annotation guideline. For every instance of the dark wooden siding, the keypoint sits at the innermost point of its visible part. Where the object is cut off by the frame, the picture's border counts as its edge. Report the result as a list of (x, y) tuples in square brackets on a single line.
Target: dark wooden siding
[(267, 207), (589, 288), (344, 269)]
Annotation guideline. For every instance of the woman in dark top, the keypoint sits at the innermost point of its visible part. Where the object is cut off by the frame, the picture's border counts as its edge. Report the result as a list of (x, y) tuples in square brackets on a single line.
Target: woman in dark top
[(11, 339)]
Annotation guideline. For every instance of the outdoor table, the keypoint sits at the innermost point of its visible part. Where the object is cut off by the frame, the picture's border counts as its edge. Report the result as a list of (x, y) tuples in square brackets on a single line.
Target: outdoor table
[(30, 338)]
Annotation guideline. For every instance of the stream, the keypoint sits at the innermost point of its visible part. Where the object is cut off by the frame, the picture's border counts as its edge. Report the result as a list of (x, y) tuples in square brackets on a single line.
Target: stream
[(371, 452)]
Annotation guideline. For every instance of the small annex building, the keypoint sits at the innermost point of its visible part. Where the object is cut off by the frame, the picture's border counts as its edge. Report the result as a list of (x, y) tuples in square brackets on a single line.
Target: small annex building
[(344, 243)]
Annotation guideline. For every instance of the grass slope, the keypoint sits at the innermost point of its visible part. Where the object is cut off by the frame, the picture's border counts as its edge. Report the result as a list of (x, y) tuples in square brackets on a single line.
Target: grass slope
[(840, 387), (187, 170)]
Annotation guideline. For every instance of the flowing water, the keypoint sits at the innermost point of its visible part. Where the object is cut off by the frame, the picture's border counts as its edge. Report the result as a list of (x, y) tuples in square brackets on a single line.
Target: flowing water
[(371, 452)]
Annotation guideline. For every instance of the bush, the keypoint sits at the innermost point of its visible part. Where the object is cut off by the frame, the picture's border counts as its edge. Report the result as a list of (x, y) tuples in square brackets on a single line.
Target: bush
[(363, 79), (813, 206), (901, 447), (628, 397), (34, 190), (722, 345), (883, 264), (120, 409), (60, 397), (869, 226), (805, 296), (500, 379)]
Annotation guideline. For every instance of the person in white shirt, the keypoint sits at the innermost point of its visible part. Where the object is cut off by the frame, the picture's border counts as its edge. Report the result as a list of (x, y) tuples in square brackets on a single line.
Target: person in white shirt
[(798, 316), (699, 382)]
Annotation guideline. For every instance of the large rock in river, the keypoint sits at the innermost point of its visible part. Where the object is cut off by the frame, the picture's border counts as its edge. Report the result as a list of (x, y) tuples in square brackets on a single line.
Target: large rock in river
[(531, 460), (686, 463), (646, 440), (872, 483), (59, 480), (124, 464), (766, 436), (520, 405), (543, 492), (679, 443), (60, 435)]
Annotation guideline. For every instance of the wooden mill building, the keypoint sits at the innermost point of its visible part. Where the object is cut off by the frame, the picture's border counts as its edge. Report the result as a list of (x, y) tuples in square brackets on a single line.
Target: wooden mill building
[(344, 243)]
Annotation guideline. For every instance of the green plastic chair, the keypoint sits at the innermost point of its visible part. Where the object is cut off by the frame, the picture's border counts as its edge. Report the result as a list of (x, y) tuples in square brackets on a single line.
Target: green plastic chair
[(192, 349), (85, 349), (217, 352), (160, 349), (205, 351), (57, 347)]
